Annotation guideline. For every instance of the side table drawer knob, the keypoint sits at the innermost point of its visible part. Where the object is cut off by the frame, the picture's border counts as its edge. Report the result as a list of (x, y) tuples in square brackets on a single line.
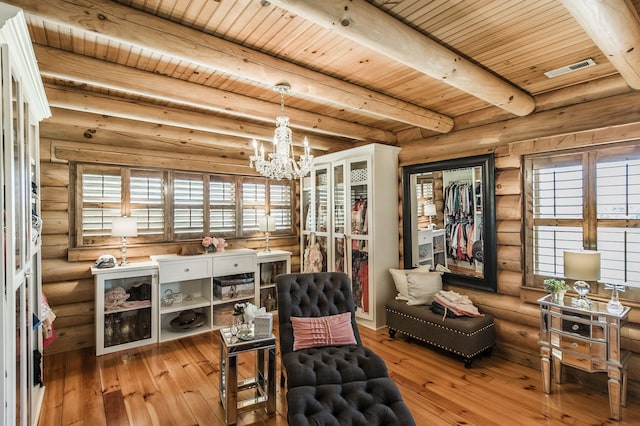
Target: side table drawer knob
[(574, 345), (575, 327)]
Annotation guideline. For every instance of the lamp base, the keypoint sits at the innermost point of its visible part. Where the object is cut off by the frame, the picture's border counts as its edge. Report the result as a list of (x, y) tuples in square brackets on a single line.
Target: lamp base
[(582, 288), (124, 252), (266, 248)]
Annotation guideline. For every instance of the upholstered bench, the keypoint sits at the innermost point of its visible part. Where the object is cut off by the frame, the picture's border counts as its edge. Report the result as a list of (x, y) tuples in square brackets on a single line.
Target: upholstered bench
[(464, 336)]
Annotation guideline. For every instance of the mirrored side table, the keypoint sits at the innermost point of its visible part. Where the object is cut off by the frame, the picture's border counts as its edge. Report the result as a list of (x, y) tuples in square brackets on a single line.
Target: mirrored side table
[(587, 339), (263, 383)]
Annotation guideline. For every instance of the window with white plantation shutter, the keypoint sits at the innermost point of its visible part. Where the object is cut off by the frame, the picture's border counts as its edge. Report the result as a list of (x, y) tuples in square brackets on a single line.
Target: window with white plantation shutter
[(585, 199), (254, 203), (174, 206), (101, 201), (146, 199), (222, 206), (188, 207), (280, 206)]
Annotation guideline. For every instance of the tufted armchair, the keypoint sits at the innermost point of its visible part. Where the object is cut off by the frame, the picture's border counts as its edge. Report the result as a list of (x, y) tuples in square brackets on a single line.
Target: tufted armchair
[(347, 384)]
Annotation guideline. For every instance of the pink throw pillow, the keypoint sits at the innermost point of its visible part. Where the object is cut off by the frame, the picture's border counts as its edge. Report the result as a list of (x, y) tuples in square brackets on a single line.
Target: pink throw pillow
[(332, 330)]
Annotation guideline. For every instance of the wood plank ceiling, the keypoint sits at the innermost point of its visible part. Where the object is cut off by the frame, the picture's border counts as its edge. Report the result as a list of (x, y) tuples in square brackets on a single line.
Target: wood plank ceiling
[(210, 65)]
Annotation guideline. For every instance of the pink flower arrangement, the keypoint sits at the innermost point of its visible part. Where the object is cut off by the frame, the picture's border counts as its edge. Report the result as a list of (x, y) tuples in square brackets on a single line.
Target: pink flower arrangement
[(208, 241), (214, 244)]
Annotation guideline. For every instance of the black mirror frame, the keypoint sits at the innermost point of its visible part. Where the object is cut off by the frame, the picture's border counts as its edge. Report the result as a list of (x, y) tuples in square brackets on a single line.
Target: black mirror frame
[(489, 281)]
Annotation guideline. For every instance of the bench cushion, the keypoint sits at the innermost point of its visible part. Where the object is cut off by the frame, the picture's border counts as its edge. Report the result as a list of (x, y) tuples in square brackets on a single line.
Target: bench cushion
[(465, 336), (361, 403)]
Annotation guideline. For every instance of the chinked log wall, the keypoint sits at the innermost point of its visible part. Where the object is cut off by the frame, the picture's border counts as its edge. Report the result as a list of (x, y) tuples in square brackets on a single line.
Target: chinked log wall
[(67, 280)]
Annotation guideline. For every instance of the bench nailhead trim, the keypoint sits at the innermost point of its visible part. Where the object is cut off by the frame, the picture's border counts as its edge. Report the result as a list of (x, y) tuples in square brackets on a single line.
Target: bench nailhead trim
[(443, 327)]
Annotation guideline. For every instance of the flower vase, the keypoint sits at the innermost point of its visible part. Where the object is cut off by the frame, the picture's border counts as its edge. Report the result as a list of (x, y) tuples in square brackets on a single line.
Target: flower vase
[(210, 249), (558, 297)]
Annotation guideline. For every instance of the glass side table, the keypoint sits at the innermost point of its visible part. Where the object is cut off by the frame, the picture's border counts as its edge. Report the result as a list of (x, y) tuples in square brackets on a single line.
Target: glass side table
[(264, 380), (587, 339)]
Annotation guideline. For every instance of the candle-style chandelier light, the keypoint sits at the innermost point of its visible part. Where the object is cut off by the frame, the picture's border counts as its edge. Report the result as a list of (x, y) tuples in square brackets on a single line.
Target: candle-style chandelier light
[(281, 161)]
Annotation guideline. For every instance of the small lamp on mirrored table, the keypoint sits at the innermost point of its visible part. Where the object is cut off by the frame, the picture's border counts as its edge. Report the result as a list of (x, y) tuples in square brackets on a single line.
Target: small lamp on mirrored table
[(582, 266)]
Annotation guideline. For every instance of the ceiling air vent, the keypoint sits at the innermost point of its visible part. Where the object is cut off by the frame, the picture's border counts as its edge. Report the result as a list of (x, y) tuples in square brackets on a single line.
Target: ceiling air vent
[(570, 68)]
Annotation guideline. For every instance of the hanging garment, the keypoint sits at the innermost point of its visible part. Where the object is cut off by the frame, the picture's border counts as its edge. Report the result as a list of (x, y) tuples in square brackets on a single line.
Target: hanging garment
[(313, 255)]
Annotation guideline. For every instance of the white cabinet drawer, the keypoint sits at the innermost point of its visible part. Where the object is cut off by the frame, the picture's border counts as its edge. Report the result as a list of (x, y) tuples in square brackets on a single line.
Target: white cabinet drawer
[(234, 265), (184, 270)]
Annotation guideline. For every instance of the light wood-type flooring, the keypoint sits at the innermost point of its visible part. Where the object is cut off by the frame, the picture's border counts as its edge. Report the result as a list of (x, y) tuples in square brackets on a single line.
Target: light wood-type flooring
[(176, 383)]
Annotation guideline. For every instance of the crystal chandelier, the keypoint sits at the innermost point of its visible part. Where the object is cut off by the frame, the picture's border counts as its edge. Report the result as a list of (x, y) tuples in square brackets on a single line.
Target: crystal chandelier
[(281, 162)]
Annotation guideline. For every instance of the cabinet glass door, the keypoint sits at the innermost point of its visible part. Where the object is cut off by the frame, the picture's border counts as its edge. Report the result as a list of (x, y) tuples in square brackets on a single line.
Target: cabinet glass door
[(321, 200), (359, 179), (19, 228), (127, 310), (339, 218)]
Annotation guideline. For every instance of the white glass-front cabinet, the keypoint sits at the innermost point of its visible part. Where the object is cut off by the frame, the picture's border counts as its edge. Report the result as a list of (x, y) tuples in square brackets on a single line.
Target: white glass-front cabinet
[(126, 306), (24, 104), (349, 207)]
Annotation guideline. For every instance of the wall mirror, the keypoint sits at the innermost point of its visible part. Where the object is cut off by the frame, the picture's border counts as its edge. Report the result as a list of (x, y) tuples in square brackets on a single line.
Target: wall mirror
[(449, 219)]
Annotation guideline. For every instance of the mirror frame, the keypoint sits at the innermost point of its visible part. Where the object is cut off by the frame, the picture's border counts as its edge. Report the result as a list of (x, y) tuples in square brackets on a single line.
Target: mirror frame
[(489, 280)]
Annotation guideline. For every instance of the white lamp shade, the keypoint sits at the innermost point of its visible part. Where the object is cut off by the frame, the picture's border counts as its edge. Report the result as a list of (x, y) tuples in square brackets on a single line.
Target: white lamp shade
[(124, 227), (267, 224), (429, 209), (582, 265)]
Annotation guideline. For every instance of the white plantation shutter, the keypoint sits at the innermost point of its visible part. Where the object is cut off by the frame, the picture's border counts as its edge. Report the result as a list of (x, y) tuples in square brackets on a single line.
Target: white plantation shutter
[(254, 201), (280, 205), (147, 201), (557, 189), (188, 207), (618, 215), (101, 201), (222, 206)]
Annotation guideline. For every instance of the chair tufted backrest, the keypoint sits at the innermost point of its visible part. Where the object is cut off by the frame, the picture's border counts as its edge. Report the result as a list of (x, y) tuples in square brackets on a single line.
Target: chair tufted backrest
[(312, 295)]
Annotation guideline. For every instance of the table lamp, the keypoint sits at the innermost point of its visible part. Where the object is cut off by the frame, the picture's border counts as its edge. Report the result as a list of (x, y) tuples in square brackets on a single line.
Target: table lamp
[(582, 266), (430, 211), (267, 224), (124, 227)]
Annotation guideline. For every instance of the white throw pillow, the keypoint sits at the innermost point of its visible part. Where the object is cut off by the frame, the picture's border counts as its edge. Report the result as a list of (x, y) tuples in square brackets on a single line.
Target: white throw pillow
[(400, 280), (422, 286)]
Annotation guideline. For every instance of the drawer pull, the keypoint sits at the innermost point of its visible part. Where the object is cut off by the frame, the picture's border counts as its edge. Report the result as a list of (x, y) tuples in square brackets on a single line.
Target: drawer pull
[(575, 327), (235, 265), (574, 345), (186, 269)]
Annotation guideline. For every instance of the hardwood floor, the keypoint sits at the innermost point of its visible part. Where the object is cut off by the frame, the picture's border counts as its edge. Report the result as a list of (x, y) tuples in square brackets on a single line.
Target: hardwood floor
[(176, 383)]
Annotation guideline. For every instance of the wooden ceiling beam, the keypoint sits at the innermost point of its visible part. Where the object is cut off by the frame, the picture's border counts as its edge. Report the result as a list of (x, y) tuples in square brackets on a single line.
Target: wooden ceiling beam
[(78, 100), (614, 26), (369, 26), (142, 30), (65, 65)]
